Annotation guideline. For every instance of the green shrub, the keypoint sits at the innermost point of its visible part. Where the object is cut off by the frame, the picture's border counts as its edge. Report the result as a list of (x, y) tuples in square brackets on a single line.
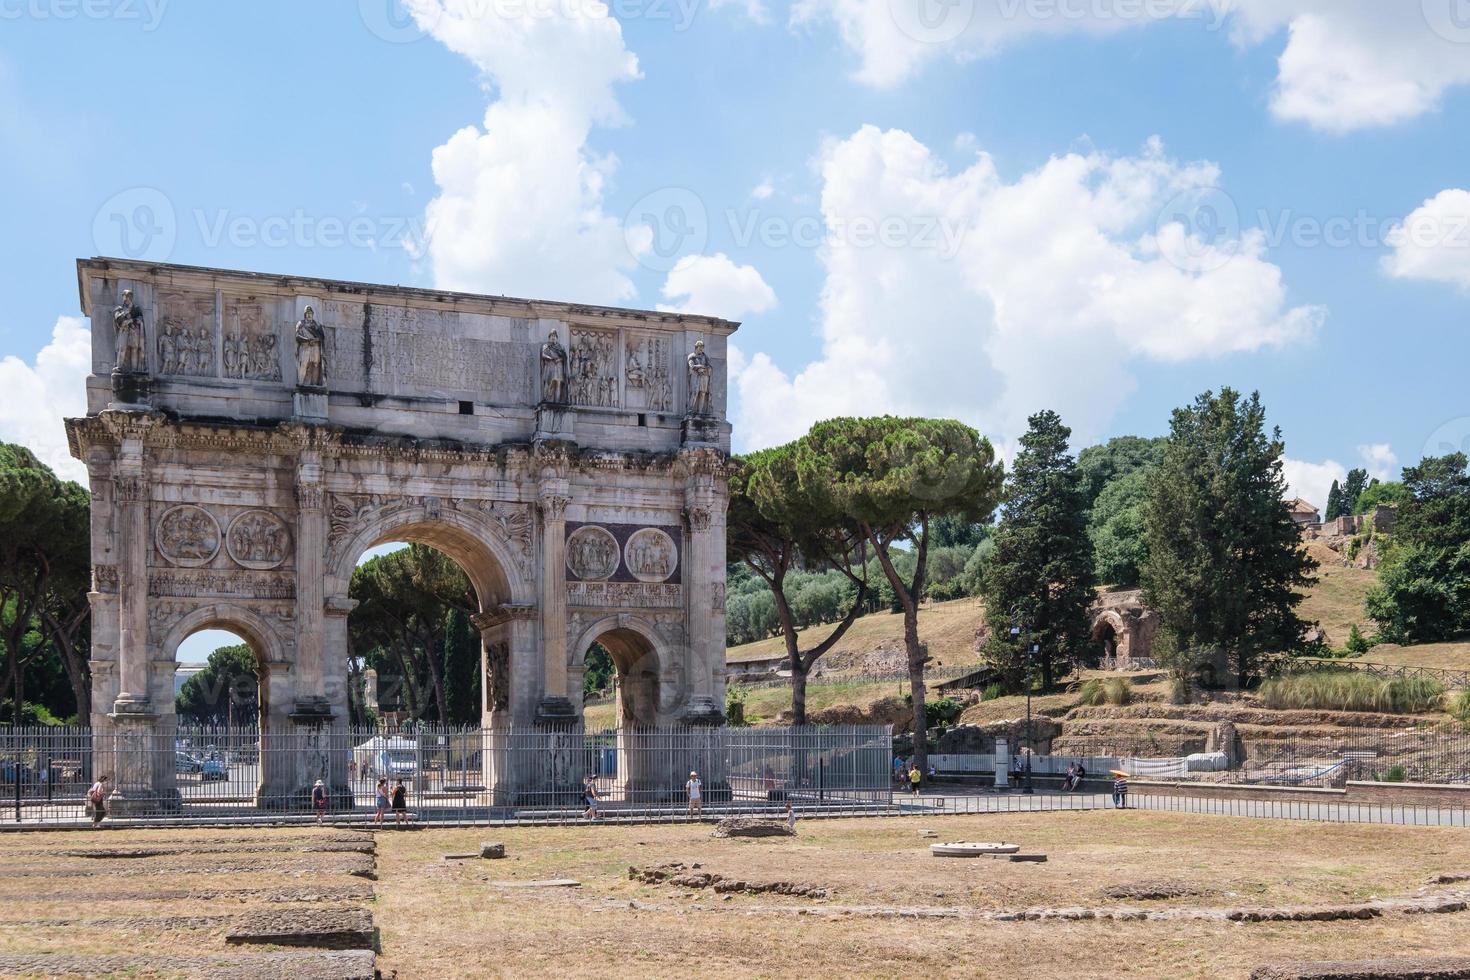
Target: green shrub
[(943, 712), (992, 692), (1393, 774), (1357, 643), (735, 696), (1350, 690), (1460, 707), (1114, 690)]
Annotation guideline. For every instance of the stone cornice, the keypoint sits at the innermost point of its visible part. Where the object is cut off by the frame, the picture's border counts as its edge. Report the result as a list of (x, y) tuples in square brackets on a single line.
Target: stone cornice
[(266, 284), (292, 439)]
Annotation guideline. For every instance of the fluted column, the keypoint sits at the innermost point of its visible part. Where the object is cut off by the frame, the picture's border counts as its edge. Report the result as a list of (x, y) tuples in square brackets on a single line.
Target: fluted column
[(700, 578), (311, 543), (130, 499), (555, 707)]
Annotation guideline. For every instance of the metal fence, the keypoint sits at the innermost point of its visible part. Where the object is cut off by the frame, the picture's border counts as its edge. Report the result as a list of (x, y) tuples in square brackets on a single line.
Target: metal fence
[(458, 774), (1453, 680)]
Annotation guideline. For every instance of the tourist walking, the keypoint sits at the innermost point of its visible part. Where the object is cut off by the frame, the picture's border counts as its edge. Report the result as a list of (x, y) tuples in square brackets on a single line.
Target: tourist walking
[(695, 789), (319, 801), (1120, 789), (382, 791), (589, 796), (790, 817), (915, 777), (400, 802), (97, 800)]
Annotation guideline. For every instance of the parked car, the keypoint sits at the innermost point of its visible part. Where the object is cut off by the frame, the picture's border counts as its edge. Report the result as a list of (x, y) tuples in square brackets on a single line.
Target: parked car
[(214, 769), (184, 762)]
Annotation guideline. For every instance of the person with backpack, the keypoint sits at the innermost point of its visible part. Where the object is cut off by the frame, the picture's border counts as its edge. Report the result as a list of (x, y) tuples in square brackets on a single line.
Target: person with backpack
[(400, 802), (915, 777), (319, 801), (97, 800)]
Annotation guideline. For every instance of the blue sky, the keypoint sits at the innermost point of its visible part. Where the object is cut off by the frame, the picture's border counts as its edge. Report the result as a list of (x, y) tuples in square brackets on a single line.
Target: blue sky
[(969, 207)]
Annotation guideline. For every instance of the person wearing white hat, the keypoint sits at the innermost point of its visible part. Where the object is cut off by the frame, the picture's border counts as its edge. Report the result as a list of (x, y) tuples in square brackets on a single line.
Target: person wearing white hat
[(319, 800), (695, 789)]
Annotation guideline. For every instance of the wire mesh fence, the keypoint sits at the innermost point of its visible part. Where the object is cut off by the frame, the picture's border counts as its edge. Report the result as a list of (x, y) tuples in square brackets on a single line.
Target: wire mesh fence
[(436, 773)]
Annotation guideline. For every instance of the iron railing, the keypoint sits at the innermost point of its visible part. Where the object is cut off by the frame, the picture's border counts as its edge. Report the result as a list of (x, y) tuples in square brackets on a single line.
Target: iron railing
[(446, 773)]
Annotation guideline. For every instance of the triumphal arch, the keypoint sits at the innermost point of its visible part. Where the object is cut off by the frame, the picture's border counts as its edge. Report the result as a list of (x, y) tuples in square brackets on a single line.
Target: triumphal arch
[(248, 437)]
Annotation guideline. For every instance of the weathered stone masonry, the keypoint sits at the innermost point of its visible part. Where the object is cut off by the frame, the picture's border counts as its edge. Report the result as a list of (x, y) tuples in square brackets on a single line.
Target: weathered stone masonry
[(571, 459)]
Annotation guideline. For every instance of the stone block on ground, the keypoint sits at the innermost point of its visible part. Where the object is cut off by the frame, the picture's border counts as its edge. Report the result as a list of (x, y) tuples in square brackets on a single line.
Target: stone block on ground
[(752, 827), (342, 928), (1421, 968), (491, 850), (314, 965)]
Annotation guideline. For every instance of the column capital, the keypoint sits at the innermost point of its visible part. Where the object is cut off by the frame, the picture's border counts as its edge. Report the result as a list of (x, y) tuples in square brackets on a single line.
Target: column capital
[(554, 501), (500, 615)]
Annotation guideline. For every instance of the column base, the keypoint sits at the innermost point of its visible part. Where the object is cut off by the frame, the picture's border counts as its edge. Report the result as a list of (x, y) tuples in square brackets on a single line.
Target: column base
[(556, 713), (309, 404), (130, 391), (132, 802), (700, 430), (555, 423), (702, 711)]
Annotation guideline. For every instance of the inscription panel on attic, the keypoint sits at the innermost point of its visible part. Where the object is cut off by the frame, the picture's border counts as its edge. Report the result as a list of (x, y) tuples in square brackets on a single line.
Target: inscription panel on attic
[(400, 350)]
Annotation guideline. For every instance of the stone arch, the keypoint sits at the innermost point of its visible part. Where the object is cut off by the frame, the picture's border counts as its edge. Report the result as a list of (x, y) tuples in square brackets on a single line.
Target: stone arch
[(263, 636), (641, 655), (1109, 634), (483, 552)]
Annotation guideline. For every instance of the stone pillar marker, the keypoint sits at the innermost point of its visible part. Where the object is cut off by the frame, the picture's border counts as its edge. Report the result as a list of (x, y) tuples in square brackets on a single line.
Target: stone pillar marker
[(555, 707)]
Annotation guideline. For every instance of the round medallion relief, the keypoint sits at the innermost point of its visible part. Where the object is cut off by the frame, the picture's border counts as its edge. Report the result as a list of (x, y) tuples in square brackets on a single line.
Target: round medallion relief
[(187, 536), (258, 539), (592, 553), (651, 555)]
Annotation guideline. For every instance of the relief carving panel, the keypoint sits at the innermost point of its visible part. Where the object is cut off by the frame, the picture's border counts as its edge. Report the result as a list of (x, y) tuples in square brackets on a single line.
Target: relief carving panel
[(592, 368), (648, 384), (187, 536), (186, 335), (592, 554), (258, 539), (251, 350), (651, 555), (625, 595)]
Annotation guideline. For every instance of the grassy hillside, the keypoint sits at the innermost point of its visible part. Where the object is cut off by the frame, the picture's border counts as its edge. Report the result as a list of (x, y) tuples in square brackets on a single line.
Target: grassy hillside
[(948, 628)]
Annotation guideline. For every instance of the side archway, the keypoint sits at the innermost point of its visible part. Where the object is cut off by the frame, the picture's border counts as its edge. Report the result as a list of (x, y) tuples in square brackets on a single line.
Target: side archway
[(640, 653)]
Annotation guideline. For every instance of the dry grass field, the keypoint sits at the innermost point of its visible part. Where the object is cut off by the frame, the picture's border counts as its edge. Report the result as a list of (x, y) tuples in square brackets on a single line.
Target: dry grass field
[(890, 909), (893, 910)]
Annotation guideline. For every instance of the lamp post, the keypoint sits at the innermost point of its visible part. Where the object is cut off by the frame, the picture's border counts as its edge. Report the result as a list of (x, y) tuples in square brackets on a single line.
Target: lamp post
[(1031, 651)]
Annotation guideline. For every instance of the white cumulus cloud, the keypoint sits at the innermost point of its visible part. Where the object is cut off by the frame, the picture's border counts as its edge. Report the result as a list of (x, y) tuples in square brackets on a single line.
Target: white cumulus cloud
[(963, 294), (38, 396), (1379, 459), (1312, 481), (714, 285), (1344, 64), (1433, 243), (519, 207)]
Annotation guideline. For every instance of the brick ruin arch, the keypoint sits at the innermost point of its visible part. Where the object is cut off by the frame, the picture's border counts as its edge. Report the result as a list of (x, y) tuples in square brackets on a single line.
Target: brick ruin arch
[(1122, 630), (248, 437)]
